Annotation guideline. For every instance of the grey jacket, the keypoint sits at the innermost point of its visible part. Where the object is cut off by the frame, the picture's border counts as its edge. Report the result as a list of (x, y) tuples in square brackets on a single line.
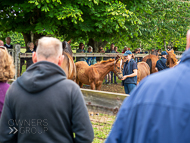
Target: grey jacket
[(45, 107)]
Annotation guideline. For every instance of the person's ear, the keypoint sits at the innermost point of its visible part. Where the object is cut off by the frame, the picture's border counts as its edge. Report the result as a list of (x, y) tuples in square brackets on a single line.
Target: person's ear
[(188, 40), (34, 57), (60, 61)]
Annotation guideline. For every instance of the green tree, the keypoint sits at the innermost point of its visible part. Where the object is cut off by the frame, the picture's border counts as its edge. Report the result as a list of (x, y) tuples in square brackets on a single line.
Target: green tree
[(163, 21), (16, 38), (97, 21)]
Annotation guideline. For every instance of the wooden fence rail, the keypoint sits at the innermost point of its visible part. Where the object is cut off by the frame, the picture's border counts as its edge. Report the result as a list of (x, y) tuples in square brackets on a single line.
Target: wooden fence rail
[(29, 55), (17, 56), (103, 102)]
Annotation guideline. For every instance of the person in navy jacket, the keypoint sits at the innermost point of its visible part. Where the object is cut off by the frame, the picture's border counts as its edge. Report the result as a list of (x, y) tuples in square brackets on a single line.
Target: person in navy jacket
[(158, 110), (129, 73), (161, 64)]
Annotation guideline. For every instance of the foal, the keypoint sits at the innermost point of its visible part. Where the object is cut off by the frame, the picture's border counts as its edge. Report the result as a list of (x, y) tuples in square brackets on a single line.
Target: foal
[(94, 75)]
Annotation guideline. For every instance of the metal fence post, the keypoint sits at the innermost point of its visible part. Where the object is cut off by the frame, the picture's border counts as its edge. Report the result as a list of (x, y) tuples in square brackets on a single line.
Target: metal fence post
[(17, 60)]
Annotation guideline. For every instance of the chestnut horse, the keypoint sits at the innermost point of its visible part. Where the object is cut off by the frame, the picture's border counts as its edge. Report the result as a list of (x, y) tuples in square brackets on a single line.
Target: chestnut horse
[(94, 75), (68, 64), (143, 71), (171, 59), (151, 61)]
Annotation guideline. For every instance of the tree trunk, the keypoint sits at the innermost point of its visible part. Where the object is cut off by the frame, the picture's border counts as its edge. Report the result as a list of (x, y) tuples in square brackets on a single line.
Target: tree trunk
[(96, 44), (27, 38), (37, 36), (165, 44)]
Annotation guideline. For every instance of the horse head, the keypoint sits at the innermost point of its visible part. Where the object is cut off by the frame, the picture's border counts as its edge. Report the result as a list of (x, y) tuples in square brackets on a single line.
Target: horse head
[(118, 67), (67, 47), (68, 64), (155, 52), (171, 59)]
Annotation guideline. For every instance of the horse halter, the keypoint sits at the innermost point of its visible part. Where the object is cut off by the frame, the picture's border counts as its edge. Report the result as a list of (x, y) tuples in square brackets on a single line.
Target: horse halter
[(120, 67)]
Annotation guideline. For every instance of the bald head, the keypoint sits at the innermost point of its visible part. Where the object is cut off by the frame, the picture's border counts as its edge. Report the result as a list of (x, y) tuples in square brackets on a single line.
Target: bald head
[(1, 43), (49, 49)]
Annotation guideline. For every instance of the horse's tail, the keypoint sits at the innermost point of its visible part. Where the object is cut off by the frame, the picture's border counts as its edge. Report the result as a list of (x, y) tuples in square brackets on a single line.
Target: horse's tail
[(75, 72), (149, 62), (72, 67)]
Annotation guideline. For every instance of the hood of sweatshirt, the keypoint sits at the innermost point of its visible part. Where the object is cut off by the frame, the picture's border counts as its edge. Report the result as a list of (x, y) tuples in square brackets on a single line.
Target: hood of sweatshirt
[(40, 76)]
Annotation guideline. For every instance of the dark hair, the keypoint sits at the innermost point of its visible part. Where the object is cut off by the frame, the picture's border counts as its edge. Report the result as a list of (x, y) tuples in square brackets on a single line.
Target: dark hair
[(81, 44), (99, 48)]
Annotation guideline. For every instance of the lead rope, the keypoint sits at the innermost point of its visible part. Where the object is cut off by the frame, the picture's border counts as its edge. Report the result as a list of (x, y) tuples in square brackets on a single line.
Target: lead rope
[(120, 64), (114, 67)]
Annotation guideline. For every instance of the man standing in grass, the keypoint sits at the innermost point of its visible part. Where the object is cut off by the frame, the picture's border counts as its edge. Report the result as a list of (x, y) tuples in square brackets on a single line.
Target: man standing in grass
[(42, 106)]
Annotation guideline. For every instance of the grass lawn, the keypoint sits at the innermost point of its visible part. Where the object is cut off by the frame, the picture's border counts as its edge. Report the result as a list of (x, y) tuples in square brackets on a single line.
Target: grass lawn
[(102, 125), (23, 68)]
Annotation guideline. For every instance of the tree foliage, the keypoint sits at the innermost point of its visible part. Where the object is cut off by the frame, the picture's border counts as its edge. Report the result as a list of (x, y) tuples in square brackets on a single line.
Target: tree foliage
[(163, 21), (97, 19), (149, 23)]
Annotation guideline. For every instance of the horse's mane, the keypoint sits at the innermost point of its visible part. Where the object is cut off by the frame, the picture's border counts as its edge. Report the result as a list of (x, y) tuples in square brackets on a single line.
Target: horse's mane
[(67, 48), (172, 56), (104, 62), (154, 52)]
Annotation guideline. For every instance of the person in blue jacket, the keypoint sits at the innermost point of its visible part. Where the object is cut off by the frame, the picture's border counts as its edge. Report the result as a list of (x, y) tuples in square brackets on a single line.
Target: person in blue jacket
[(129, 72), (158, 110), (161, 63)]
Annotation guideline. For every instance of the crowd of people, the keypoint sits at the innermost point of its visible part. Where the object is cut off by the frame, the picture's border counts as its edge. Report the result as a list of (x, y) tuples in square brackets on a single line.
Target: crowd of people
[(44, 106)]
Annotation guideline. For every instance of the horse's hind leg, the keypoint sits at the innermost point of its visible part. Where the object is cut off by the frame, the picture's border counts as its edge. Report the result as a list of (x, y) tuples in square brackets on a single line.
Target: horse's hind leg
[(99, 87), (92, 86), (80, 84)]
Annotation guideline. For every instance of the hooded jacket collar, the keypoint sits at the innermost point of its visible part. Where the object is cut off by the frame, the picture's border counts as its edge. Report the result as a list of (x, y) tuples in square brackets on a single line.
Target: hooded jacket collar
[(40, 76)]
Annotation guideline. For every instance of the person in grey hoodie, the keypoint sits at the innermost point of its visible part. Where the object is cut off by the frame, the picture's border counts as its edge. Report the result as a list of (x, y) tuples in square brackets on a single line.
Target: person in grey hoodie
[(42, 106)]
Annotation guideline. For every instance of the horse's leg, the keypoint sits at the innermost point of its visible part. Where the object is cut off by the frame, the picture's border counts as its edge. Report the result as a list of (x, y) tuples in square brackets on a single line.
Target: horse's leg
[(92, 86), (80, 84), (99, 87)]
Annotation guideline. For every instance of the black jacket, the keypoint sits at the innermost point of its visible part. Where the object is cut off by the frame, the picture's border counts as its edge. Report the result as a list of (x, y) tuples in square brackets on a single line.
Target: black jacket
[(45, 107), (8, 47), (161, 64)]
